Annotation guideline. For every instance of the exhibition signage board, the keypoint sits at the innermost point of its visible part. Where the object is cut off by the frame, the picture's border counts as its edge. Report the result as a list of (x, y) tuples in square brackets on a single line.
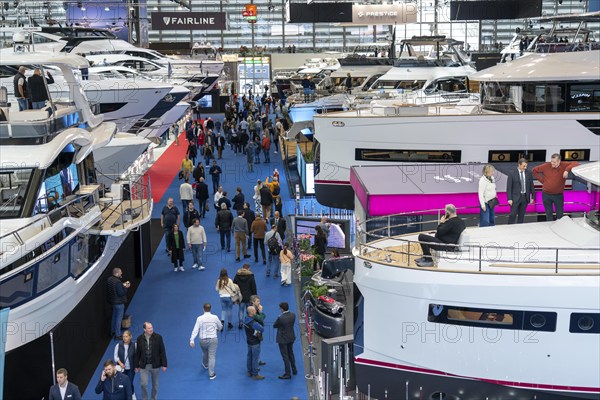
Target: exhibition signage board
[(383, 14), (185, 21)]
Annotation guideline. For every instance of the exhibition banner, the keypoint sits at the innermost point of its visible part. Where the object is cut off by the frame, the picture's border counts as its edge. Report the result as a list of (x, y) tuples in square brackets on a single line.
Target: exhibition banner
[(384, 14), (186, 21)]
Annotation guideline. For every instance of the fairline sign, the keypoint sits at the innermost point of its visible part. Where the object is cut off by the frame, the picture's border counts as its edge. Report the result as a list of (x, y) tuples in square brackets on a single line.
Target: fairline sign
[(184, 21)]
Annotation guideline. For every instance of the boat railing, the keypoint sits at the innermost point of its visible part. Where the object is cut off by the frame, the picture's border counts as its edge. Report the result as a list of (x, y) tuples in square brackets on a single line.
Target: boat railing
[(134, 202), (39, 126), (565, 47), (401, 245)]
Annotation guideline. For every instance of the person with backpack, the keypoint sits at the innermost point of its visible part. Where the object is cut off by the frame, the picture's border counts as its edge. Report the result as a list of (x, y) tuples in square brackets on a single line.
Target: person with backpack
[(273, 241)]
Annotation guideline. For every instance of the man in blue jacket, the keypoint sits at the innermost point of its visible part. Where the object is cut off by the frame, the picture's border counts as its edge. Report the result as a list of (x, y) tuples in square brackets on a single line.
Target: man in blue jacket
[(113, 384), (63, 388)]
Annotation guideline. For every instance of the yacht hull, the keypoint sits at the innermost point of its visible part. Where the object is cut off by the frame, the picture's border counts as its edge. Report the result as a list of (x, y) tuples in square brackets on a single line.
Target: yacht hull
[(474, 137), (379, 379), (78, 318), (473, 353)]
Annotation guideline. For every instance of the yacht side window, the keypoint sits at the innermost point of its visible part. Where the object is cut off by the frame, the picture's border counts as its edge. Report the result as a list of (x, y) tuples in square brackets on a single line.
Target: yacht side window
[(13, 185), (584, 97)]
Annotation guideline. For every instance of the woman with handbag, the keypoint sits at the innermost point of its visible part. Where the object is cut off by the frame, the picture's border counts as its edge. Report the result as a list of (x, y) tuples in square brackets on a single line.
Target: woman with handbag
[(487, 197), (175, 247), (228, 292)]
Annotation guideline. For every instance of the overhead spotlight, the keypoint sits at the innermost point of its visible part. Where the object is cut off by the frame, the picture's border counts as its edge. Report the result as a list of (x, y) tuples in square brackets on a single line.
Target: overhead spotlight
[(106, 8), (83, 8)]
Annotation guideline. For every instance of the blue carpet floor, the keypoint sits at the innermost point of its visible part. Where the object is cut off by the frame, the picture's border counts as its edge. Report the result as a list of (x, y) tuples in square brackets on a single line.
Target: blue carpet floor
[(172, 302)]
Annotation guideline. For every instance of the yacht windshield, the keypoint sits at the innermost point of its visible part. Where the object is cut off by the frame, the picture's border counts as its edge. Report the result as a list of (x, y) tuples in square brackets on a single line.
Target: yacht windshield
[(13, 186)]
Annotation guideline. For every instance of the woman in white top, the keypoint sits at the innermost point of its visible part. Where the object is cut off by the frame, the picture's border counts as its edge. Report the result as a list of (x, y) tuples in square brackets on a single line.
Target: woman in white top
[(256, 197), (286, 257), (226, 290), (487, 192)]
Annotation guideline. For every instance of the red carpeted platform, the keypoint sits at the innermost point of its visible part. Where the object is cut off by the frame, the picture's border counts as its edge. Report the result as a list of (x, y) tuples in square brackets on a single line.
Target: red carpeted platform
[(166, 167)]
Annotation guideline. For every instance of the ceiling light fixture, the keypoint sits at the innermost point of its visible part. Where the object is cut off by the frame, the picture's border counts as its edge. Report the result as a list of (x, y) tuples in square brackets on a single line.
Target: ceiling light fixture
[(106, 9)]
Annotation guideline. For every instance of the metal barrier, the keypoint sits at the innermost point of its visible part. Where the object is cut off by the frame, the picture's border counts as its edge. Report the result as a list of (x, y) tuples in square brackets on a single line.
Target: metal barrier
[(370, 241)]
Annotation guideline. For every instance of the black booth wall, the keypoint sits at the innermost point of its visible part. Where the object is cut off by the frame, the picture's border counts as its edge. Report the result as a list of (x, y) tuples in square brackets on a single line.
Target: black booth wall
[(80, 340)]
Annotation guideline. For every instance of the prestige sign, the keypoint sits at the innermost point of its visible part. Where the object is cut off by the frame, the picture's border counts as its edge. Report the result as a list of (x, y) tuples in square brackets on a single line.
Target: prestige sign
[(383, 14), (185, 21)]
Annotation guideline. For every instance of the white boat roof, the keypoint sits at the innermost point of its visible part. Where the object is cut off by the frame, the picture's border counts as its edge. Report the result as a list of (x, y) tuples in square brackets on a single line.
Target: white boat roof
[(42, 155), (573, 66), (425, 73), (360, 70), (71, 60), (589, 172)]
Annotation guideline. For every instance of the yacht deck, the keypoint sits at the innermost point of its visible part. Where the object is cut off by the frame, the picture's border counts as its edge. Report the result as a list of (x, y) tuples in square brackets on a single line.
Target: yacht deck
[(402, 251)]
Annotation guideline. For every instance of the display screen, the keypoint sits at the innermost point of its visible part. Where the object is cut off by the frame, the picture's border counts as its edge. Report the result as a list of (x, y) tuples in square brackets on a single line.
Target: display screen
[(339, 231)]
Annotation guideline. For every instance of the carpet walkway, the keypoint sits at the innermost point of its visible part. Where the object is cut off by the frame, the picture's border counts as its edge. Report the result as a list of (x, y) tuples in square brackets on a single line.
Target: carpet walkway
[(173, 300), (166, 167)]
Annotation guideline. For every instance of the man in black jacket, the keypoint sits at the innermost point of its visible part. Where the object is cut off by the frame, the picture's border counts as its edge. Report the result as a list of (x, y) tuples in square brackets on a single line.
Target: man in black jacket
[(448, 232), (238, 199), (223, 223), (285, 324), (266, 200), (116, 295), (244, 278), (150, 357), (519, 191), (37, 89), (202, 196)]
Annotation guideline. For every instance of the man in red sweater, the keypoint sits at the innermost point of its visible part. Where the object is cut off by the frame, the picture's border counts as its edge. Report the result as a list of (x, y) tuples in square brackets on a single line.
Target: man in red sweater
[(553, 175)]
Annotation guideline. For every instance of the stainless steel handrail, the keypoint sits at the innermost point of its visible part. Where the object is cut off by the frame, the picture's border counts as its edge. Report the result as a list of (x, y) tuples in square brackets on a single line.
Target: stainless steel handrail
[(364, 240), (138, 190)]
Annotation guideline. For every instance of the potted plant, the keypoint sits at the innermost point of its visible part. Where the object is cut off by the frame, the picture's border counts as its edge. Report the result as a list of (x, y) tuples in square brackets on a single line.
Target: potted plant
[(315, 290), (306, 259)]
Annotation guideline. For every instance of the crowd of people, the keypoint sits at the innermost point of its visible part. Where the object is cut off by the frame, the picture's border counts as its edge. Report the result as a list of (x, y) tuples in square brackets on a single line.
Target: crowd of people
[(255, 224)]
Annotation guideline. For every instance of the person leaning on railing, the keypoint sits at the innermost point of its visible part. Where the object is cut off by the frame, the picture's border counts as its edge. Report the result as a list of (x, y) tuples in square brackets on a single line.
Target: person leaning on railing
[(448, 232)]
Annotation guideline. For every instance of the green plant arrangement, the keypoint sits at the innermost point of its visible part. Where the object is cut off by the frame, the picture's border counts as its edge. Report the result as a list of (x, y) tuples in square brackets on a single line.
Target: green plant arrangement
[(315, 290)]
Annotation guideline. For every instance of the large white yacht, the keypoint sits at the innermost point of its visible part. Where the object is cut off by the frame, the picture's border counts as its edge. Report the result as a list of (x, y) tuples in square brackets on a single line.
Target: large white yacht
[(59, 229), (66, 41), (120, 99), (532, 107), (513, 314)]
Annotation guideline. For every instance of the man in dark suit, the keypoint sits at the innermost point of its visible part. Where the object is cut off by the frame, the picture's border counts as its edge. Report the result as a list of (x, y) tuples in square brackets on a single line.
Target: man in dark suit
[(519, 191), (285, 324), (202, 196), (64, 390), (280, 223)]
